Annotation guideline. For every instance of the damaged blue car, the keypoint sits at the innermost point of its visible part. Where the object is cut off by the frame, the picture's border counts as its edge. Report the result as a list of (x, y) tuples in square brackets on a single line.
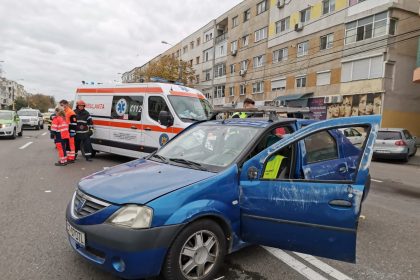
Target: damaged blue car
[(220, 185)]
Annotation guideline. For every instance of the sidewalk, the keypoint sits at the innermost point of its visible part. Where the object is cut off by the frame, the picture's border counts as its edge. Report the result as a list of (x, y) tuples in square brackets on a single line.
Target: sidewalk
[(415, 160)]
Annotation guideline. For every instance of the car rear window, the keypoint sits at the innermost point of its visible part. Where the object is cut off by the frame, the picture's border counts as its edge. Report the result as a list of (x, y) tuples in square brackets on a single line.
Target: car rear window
[(389, 135)]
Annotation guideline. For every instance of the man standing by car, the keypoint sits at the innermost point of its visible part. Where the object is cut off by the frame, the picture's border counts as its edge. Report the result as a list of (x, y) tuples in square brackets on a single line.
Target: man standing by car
[(72, 122), (248, 104), (83, 130)]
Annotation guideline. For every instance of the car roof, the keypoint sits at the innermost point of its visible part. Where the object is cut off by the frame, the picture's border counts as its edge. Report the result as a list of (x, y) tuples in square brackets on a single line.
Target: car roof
[(253, 122)]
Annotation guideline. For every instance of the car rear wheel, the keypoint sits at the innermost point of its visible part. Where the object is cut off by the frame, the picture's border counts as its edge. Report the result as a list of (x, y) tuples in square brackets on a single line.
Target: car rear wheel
[(197, 252)]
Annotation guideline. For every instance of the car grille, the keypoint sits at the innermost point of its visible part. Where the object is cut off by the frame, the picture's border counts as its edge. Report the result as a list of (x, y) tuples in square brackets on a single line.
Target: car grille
[(84, 205)]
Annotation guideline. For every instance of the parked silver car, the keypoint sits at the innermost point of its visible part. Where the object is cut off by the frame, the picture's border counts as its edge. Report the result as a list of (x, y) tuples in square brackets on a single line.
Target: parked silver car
[(31, 118), (394, 143)]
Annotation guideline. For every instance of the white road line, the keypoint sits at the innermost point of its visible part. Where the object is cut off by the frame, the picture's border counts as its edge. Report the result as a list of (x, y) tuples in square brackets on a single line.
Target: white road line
[(378, 181), (295, 264), (44, 133), (324, 267), (26, 145)]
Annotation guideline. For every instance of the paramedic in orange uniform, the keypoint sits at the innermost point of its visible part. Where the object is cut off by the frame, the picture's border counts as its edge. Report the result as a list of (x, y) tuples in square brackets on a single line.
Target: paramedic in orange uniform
[(72, 122)]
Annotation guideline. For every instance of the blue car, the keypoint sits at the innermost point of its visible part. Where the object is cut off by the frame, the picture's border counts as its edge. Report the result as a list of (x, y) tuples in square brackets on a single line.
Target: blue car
[(219, 186)]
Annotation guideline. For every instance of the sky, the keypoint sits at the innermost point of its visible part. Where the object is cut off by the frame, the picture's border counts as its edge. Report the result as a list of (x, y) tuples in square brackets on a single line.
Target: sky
[(50, 46)]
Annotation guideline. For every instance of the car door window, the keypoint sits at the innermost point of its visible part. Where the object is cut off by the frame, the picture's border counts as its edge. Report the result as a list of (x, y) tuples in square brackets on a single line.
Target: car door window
[(156, 105), (407, 134), (320, 147)]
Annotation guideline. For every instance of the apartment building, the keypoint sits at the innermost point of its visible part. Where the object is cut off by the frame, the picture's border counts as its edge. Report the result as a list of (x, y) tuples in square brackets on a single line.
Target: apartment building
[(9, 91), (336, 57)]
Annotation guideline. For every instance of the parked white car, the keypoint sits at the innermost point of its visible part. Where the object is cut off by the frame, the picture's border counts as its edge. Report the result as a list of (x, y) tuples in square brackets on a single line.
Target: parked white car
[(10, 124), (31, 118), (355, 136)]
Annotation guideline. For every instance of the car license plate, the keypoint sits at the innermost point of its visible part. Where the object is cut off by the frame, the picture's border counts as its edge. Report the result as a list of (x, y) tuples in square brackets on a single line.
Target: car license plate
[(383, 152), (77, 235), (25, 121)]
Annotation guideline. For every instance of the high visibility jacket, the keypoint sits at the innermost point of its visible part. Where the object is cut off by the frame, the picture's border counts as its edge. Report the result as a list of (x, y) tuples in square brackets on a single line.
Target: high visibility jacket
[(84, 122), (273, 167), (60, 128), (71, 120), (241, 115)]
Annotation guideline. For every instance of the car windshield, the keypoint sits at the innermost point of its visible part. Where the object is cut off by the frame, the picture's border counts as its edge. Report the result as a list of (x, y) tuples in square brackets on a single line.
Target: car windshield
[(6, 115), (208, 146), (389, 135), (28, 113), (191, 108)]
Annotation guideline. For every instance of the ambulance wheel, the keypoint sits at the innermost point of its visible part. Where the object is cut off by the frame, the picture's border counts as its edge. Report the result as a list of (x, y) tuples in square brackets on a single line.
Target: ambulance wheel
[(197, 252)]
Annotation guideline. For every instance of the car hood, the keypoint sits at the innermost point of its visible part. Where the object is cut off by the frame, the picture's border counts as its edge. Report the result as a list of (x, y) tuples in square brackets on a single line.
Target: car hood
[(6, 121), (139, 181)]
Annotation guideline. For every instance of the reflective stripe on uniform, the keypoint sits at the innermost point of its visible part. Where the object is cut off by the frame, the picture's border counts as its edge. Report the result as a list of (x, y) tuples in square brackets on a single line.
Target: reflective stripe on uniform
[(273, 166)]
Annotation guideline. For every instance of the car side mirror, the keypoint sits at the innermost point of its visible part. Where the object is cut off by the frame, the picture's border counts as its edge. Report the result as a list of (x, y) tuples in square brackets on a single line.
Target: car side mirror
[(166, 119), (252, 173)]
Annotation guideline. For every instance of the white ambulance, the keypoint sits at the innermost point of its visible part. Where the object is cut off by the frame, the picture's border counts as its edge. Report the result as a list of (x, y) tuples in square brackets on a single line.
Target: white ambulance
[(137, 119)]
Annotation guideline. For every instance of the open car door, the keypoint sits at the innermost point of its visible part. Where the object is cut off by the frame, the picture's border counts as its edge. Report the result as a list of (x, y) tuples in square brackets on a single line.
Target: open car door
[(304, 193)]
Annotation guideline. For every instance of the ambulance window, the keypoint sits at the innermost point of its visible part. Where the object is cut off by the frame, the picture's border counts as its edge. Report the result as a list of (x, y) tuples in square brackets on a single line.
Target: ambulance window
[(156, 105), (127, 107)]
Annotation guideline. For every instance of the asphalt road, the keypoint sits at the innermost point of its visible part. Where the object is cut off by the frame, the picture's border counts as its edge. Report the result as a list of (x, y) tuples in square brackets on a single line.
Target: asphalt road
[(33, 241)]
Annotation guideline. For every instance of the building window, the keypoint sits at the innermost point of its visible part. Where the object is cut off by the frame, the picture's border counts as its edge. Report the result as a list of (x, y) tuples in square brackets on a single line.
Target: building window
[(258, 61), (260, 34), (392, 26), (197, 60), (369, 27), (191, 62), (242, 89), (362, 69), (323, 78), (247, 15), (301, 82), (305, 15), (235, 21), (197, 79), (198, 41), (192, 45), (207, 55), (185, 49), (207, 75), (283, 25), (232, 68), (328, 6), (354, 2), (244, 64), (208, 36), (261, 7), (219, 91), (234, 46), (280, 55), (258, 87), (231, 91), (245, 41), (302, 48), (222, 50), (279, 84), (219, 70), (326, 41)]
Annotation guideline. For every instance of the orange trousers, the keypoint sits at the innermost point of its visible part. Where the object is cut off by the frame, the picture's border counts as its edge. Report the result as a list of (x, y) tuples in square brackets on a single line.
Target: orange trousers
[(71, 149), (61, 149)]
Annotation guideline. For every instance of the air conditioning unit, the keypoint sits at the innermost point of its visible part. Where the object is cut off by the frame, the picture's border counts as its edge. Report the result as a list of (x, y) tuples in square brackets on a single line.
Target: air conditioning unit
[(242, 72), (299, 26), (234, 52), (333, 99), (280, 4)]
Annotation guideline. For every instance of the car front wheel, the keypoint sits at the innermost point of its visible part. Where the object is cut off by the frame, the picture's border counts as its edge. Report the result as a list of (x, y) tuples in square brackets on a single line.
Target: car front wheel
[(14, 134), (197, 252)]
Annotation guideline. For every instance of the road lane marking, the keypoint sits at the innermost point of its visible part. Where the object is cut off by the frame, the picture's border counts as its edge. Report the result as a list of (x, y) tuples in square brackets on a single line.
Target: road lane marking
[(324, 267), (43, 134), (295, 264), (26, 145), (378, 181)]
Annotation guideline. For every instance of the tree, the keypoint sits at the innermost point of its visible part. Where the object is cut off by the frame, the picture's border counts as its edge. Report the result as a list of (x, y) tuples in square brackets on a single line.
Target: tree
[(20, 103), (168, 68), (41, 102)]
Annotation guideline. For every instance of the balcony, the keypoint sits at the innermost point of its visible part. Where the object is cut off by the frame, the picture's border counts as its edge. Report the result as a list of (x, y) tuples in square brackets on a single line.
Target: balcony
[(221, 38)]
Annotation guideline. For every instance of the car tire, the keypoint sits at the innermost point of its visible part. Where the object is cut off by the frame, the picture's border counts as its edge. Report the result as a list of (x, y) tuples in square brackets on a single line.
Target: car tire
[(42, 126), (204, 246), (21, 132), (407, 157), (37, 127), (94, 152), (14, 134)]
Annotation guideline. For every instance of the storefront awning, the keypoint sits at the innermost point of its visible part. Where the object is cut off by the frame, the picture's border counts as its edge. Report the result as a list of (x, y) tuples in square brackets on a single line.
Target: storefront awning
[(293, 96)]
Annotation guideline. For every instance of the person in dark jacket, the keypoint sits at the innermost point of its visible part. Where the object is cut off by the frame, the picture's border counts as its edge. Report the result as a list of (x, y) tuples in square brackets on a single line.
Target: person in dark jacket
[(84, 130)]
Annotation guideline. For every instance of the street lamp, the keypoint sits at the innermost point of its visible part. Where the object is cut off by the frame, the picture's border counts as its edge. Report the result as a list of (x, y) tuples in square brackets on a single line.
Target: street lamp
[(179, 60)]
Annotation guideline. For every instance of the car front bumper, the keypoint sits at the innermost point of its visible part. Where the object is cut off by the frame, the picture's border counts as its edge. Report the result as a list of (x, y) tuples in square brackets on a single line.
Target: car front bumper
[(127, 253), (6, 131)]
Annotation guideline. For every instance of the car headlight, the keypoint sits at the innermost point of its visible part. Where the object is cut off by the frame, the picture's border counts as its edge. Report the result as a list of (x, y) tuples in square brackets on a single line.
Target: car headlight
[(133, 216), (7, 125)]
